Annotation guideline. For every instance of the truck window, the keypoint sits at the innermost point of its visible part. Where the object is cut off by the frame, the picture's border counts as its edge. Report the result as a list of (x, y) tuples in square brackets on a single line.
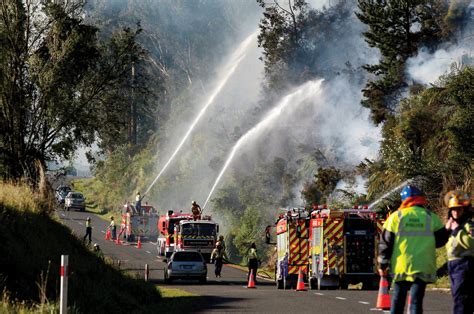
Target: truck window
[(199, 229)]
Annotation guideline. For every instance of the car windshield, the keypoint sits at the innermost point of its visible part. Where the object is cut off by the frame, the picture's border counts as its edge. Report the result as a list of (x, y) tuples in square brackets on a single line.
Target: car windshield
[(199, 229), (187, 257), (75, 195)]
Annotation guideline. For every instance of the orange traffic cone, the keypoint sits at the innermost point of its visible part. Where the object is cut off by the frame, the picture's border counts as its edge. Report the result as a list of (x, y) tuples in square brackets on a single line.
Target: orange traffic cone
[(383, 298), (409, 303), (300, 286), (251, 281), (107, 234), (139, 243)]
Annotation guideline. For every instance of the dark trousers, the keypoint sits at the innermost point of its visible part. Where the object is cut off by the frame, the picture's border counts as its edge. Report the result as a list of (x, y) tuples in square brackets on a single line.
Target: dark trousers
[(114, 233), (417, 293), (253, 266), (218, 266), (88, 234), (461, 275)]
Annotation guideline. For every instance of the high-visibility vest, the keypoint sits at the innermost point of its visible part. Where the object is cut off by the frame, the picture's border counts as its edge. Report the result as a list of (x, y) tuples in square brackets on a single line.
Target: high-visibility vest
[(253, 254), (88, 224), (414, 248), (462, 244)]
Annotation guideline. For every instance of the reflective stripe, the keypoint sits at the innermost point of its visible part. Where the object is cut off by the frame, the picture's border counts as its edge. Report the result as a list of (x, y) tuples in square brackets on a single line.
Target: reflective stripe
[(426, 233), (382, 260)]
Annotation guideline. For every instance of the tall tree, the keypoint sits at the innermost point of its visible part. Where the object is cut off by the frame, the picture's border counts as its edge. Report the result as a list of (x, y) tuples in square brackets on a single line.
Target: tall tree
[(396, 28), (54, 73)]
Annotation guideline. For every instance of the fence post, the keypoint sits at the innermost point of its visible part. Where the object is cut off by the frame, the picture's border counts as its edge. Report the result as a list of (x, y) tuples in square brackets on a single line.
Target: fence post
[(118, 264), (147, 271), (63, 290)]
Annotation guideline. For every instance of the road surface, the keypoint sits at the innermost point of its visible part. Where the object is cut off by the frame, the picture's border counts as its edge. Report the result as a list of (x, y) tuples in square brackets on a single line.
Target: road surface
[(229, 293)]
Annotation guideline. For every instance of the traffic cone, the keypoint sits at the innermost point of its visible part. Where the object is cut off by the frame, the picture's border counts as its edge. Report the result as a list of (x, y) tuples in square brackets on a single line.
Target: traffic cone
[(251, 283), (409, 303), (383, 298), (107, 234), (300, 286), (139, 243), (117, 241)]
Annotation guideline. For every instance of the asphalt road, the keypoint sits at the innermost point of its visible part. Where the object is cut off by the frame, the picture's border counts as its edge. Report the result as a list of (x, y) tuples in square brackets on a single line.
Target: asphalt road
[(229, 293)]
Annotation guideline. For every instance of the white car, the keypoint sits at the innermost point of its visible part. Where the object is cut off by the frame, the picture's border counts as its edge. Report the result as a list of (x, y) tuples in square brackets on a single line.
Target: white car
[(186, 265), (75, 200)]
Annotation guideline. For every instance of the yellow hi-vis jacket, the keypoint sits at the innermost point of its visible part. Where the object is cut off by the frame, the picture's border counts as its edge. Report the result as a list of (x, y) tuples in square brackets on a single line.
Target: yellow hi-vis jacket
[(413, 253), (461, 241)]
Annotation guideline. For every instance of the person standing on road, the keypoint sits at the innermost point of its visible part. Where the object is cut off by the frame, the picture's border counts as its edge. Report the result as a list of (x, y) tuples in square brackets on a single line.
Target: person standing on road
[(407, 244), (217, 257), (88, 230), (222, 242), (253, 262), (460, 249), (113, 228)]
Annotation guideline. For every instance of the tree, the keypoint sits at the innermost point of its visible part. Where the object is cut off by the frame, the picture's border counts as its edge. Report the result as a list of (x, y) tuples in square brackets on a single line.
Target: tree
[(397, 28), (54, 78)]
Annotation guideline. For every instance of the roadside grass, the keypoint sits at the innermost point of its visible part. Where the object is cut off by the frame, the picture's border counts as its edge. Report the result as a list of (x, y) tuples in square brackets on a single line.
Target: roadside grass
[(179, 301), (32, 245)]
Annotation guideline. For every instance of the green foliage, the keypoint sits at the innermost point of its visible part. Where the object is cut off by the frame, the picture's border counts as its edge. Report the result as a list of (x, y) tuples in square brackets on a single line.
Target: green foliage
[(432, 138), (397, 29), (58, 82), (30, 256), (325, 182), (251, 230)]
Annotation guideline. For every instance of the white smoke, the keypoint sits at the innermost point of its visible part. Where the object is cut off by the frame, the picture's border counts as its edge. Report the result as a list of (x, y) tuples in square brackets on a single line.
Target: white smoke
[(427, 67)]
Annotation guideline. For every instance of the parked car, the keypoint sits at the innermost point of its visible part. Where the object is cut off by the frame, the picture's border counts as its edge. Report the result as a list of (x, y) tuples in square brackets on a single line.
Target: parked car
[(61, 193), (186, 265), (75, 200)]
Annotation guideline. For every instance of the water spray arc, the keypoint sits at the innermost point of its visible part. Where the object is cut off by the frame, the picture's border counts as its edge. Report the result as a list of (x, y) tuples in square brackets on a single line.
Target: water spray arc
[(309, 89), (230, 68), (371, 205)]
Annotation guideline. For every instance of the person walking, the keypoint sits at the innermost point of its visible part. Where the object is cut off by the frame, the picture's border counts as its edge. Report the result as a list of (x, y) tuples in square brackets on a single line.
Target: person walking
[(460, 249), (217, 257), (88, 230), (407, 245), (113, 228), (221, 241), (253, 262)]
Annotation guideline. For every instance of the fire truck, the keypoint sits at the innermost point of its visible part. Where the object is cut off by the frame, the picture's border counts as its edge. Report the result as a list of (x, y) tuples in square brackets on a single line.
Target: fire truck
[(139, 224), (292, 232), (166, 224), (333, 248), (179, 232), (343, 247), (200, 235)]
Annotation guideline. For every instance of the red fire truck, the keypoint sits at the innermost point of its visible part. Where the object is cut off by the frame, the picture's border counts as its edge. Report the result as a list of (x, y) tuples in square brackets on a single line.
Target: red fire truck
[(166, 225), (333, 248)]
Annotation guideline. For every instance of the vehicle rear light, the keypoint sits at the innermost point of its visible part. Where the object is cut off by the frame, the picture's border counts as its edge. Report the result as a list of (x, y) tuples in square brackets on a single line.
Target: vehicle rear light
[(167, 241)]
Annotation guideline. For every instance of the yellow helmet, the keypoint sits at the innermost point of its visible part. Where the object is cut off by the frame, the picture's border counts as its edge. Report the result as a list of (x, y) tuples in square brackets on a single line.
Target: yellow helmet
[(457, 198)]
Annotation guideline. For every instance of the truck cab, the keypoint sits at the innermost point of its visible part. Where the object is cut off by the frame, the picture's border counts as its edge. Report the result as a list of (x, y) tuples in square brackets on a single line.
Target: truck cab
[(199, 235)]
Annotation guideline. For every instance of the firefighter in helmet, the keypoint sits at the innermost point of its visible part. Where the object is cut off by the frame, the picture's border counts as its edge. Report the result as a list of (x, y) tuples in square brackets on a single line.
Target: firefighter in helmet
[(460, 249), (196, 210), (407, 245)]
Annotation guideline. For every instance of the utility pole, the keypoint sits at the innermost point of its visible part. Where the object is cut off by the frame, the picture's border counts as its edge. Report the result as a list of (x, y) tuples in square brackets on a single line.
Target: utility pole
[(133, 109)]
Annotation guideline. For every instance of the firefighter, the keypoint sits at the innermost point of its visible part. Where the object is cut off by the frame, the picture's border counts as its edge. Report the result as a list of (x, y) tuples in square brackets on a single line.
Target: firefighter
[(222, 242), (217, 257), (88, 230), (253, 262), (460, 249), (407, 244), (196, 210), (138, 203), (113, 228)]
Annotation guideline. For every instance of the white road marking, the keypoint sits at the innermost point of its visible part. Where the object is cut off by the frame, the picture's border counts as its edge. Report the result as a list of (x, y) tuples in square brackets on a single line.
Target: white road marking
[(375, 309), (363, 302), (318, 293), (80, 223), (103, 231), (341, 298), (148, 252), (63, 215)]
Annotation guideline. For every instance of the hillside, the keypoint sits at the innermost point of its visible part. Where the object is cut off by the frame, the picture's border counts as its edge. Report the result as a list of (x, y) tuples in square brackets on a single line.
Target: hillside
[(30, 257)]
